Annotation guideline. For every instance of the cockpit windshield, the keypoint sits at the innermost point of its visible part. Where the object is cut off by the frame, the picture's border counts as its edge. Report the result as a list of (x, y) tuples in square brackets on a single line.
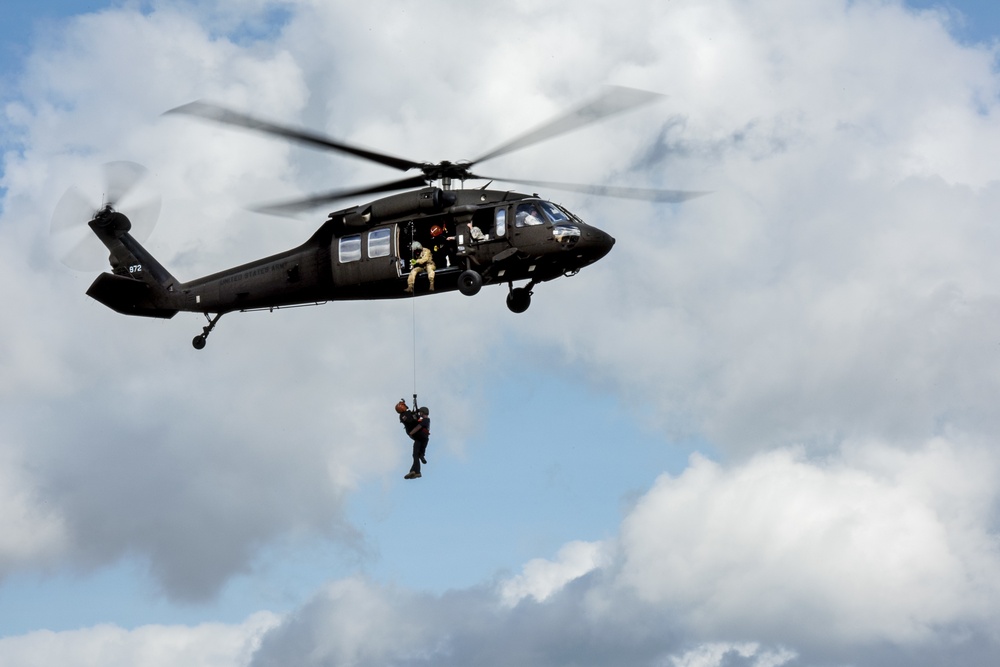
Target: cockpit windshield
[(555, 213)]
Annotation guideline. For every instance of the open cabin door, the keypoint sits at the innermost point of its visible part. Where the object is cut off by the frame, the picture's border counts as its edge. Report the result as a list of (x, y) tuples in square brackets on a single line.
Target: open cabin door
[(492, 222)]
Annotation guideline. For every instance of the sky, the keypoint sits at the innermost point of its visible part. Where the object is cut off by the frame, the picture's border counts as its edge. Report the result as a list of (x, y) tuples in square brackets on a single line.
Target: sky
[(761, 432)]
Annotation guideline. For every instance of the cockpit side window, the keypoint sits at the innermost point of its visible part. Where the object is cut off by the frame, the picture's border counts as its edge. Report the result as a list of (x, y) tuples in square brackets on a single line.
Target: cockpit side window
[(528, 215)]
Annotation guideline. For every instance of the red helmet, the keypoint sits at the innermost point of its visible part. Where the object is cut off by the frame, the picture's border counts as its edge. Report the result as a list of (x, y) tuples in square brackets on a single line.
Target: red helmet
[(437, 230)]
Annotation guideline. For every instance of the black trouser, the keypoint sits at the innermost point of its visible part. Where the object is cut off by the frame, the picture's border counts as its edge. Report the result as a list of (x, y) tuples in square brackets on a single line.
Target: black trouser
[(419, 449)]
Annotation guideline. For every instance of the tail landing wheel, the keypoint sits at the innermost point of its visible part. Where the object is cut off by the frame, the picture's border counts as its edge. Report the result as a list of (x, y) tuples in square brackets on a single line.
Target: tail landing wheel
[(519, 298), (201, 339)]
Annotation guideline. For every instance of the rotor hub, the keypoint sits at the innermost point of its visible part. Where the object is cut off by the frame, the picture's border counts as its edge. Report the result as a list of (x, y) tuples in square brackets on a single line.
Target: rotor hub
[(447, 171)]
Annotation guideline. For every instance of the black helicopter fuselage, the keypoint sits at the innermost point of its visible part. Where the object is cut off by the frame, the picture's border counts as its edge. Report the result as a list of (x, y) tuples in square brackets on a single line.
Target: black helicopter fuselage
[(380, 250), (365, 252)]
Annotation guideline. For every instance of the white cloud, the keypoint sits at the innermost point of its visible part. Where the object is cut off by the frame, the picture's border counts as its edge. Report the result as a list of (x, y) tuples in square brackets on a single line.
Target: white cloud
[(877, 555), (541, 578), (208, 645), (121, 456), (838, 287), (717, 654), (31, 533), (863, 548)]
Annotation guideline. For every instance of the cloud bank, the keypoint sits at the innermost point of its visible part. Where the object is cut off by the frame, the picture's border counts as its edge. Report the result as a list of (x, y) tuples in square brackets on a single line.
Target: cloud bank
[(824, 322)]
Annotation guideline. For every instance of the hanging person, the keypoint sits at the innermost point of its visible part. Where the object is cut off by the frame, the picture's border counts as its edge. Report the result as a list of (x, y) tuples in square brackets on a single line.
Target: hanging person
[(410, 419), (418, 427), (407, 417)]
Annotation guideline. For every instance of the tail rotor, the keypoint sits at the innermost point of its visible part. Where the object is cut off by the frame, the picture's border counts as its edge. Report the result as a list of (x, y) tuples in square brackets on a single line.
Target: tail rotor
[(126, 188)]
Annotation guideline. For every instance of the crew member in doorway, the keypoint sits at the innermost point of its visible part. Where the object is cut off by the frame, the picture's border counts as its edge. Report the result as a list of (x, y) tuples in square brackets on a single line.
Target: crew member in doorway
[(423, 260), (476, 235), (443, 246)]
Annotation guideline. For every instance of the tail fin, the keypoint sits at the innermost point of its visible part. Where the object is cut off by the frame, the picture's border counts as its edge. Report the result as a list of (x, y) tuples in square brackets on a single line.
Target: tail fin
[(139, 285)]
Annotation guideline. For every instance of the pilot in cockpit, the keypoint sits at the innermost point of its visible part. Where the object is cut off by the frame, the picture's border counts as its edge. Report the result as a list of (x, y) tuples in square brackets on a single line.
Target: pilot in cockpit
[(528, 215)]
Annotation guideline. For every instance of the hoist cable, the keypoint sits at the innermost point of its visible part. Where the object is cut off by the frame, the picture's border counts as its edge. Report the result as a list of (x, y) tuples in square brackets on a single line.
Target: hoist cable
[(413, 304)]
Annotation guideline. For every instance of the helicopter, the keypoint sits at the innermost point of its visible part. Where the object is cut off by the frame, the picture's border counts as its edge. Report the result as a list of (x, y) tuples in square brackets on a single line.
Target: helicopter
[(478, 236)]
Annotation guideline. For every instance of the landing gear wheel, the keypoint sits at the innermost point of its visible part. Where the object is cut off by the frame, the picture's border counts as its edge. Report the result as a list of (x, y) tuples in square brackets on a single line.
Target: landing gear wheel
[(202, 338), (519, 299), (470, 282)]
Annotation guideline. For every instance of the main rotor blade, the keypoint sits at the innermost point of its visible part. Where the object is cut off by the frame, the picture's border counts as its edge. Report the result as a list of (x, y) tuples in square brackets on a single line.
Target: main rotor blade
[(299, 205), (227, 116), (642, 194), (615, 100)]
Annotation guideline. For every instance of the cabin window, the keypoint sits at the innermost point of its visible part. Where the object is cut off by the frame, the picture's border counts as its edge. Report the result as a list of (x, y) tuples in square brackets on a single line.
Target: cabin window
[(379, 242), (350, 248), (501, 222)]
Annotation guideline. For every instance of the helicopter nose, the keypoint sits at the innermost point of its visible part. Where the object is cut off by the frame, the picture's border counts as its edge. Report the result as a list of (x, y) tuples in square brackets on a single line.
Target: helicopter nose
[(601, 242)]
